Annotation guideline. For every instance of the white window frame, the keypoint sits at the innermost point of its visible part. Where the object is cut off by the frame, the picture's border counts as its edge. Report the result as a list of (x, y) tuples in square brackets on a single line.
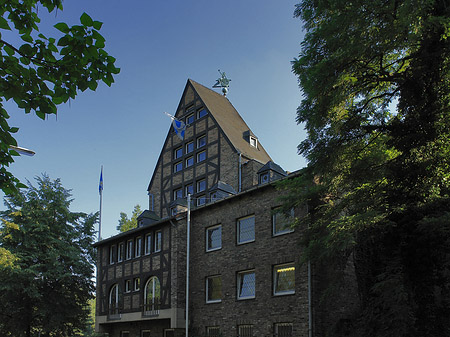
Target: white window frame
[(207, 285), (127, 286), (152, 281), (199, 188), (158, 241), (129, 251), (198, 156), (177, 168), (187, 118), (146, 331), (199, 139), (275, 218), (187, 147), (277, 269), (120, 251), (240, 276), (148, 243), (253, 141), (264, 178), (186, 189), (212, 228), (187, 163), (175, 197), (238, 231), (201, 200), (138, 247), (114, 291), (177, 155), (136, 284)]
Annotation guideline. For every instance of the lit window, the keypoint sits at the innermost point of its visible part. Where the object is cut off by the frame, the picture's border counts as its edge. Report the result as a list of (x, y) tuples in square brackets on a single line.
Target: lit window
[(190, 119), (201, 156), (214, 238), (136, 284), (148, 244), (177, 167), (189, 147), (112, 254), (214, 289), (253, 141), (158, 241), (281, 222), (177, 193), (129, 249), (189, 161), (178, 153), (201, 200), (284, 279), (138, 247), (120, 252), (246, 229), (245, 330), (213, 331), (201, 185), (152, 294), (201, 112), (127, 286), (201, 141), (189, 189), (246, 285), (283, 329)]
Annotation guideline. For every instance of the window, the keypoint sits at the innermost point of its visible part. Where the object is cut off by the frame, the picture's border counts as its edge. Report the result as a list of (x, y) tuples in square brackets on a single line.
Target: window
[(138, 247), (214, 289), (201, 185), (189, 189), (283, 329), (177, 167), (201, 200), (120, 252), (112, 254), (124, 334), (189, 147), (245, 330), (158, 239), (201, 112), (214, 238), (201, 141), (189, 161), (136, 284), (148, 244), (114, 300), (264, 178), (284, 279), (201, 156), (177, 193), (253, 141), (246, 229), (281, 222), (190, 119), (213, 331), (178, 153), (152, 294), (127, 286), (129, 249), (145, 333), (213, 196), (246, 285)]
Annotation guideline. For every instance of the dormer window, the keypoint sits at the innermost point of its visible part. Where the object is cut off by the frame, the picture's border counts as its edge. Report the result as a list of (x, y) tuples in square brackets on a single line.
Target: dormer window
[(253, 141), (264, 178)]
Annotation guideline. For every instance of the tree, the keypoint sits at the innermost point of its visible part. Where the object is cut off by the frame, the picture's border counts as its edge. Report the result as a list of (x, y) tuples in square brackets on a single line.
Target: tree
[(45, 289), (375, 77), (126, 224), (43, 72)]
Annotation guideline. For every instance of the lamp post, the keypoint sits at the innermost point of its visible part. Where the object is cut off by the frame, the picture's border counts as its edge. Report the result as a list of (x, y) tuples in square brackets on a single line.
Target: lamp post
[(22, 150)]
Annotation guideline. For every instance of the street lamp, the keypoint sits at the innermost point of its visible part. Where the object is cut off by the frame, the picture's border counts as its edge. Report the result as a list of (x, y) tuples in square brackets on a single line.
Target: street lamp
[(22, 150)]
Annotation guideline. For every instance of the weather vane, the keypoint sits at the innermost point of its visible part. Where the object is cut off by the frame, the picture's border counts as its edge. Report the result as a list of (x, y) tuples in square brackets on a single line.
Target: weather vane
[(222, 82)]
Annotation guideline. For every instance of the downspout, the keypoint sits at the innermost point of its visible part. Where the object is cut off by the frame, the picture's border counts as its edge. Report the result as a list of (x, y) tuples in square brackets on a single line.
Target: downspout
[(240, 172), (310, 316)]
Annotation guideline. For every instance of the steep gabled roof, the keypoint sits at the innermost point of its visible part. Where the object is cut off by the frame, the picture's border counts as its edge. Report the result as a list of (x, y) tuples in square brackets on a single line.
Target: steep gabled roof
[(230, 122)]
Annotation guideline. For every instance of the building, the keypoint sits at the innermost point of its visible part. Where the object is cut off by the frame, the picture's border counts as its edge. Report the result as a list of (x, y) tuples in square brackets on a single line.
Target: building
[(245, 278)]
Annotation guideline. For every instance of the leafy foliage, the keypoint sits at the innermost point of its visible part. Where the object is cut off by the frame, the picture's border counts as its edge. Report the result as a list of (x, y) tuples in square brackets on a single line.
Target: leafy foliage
[(377, 181), (126, 224), (45, 288), (44, 72)]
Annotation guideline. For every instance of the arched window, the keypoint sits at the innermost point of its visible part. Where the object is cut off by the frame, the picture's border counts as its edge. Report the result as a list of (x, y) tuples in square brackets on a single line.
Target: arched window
[(152, 294), (114, 300)]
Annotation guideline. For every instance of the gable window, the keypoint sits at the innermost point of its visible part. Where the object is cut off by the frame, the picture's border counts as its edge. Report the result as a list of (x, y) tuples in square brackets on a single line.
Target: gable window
[(136, 284), (177, 193), (152, 294), (281, 222), (214, 289), (201, 112), (120, 252), (129, 249), (189, 189), (284, 279), (253, 141), (201, 156), (177, 167), (213, 238), (201, 200), (246, 229), (138, 247), (283, 329), (246, 285), (189, 161), (201, 141), (158, 241), (178, 153), (245, 330), (127, 286), (189, 147), (112, 254), (201, 185), (190, 119), (148, 244)]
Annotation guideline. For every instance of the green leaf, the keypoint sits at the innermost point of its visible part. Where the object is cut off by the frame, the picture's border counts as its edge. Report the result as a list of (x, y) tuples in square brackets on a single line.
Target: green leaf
[(27, 38), (4, 23), (97, 25), (9, 50), (62, 27), (86, 20)]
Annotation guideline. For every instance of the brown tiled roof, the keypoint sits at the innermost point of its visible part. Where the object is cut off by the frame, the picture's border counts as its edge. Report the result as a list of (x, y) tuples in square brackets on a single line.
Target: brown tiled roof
[(230, 121)]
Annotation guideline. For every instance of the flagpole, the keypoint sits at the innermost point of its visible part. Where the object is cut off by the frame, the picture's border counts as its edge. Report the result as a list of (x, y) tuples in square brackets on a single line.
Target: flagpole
[(100, 191)]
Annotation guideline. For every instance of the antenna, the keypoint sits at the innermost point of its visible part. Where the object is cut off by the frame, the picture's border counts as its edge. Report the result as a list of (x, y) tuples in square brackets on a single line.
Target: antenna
[(222, 82)]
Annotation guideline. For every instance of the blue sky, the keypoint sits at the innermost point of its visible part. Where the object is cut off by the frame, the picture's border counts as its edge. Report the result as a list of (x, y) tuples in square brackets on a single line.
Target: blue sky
[(159, 45)]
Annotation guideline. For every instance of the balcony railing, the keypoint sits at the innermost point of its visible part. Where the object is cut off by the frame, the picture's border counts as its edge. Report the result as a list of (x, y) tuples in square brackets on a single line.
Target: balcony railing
[(114, 312), (151, 309)]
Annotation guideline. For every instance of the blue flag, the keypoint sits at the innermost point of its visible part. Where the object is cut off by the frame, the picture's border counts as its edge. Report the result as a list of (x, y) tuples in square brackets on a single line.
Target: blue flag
[(100, 185), (179, 128)]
